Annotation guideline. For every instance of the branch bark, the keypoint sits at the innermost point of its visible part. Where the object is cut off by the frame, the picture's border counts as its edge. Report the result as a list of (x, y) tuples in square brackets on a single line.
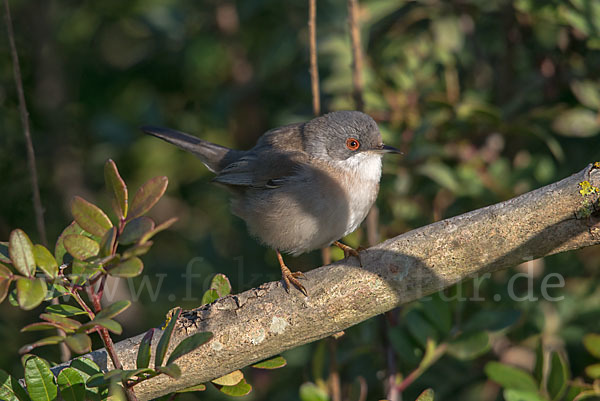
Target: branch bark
[(265, 321)]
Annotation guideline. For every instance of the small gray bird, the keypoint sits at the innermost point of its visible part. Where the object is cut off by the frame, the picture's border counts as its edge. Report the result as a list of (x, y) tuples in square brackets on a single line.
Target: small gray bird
[(303, 186)]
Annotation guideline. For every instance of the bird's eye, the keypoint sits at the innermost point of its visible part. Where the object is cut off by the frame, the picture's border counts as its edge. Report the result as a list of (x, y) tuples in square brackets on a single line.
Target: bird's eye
[(352, 143)]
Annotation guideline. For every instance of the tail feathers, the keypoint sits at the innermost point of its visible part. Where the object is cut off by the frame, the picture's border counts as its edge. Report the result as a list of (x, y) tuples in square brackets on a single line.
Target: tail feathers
[(214, 156)]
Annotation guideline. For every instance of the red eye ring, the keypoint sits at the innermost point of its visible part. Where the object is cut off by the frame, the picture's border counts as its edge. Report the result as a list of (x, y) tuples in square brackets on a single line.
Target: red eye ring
[(352, 143)]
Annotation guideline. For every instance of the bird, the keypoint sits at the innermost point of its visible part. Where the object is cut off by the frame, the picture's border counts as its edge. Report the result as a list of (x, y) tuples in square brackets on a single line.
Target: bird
[(303, 186)]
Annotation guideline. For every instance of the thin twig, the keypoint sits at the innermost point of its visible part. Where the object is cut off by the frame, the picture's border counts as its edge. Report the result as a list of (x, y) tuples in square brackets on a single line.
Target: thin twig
[(37, 202), (108, 342), (314, 72), (357, 61), (65, 353)]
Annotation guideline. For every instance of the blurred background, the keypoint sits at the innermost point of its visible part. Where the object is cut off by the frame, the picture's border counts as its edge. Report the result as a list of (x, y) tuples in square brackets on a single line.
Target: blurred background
[(487, 99)]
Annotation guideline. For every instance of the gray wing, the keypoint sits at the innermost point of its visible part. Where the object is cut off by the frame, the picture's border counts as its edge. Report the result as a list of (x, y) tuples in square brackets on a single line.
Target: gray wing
[(268, 169), (276, 158)]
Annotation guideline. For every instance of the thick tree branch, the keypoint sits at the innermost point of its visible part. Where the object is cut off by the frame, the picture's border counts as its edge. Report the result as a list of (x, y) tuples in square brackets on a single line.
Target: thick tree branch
[(265, 321)]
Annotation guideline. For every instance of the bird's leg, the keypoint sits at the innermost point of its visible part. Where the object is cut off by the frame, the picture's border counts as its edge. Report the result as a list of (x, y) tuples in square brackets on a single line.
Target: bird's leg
[(288, 276), (349, 251)]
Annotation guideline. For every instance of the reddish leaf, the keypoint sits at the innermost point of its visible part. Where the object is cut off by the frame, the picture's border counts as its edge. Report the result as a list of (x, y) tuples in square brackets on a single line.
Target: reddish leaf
[(45, 260), (118, 189), (147, 196), (20, 249), (128, 268), (81, 247), (79, 343), (135, 229), (90, 217), (30, 292), (158, 229)]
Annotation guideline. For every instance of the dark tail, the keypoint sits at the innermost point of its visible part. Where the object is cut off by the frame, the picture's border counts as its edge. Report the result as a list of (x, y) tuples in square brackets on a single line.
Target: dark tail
[(214, 156)]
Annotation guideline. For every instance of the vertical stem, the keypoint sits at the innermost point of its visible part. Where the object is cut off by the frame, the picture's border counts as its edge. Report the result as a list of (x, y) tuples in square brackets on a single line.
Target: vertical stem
[(314, 72), (37, 202), (65, 353), (335, 386), (357, 60)]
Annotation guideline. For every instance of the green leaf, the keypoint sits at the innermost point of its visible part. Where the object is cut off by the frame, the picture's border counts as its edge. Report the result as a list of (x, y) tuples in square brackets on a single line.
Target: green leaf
[(163, 343), (4, 254), (10, 389), (99, 379), (591, 342), (108, 324), (230, 379), (311, 392), (587, 93), (85, 366), (240, 389), (188, 345), (55, 290), (558, 376), (147, 196), (210, 296), (81, 271), (419, 327), (221, 284), (65, 322), (131, 267), (593, 371), (52, 340), (426, 395), (273, 363), (469, 345), (438, 312), (137, 250), (80, 246), (171, 370), (576, 122), (20, 249), (510, 377), (158, 229), (60, 250), (117, 187), (71, 384), (112, 310), (400, 340), (492, 320), (40, 326), (79, 343), (108, 241), (64, 310), (90, 217), (45, 260), (512, 394), (141, 373), (6, 278), (538, 370), (135, 229), (144, 351), (30, 292), (197, 387), (116, 392), (40, 380)]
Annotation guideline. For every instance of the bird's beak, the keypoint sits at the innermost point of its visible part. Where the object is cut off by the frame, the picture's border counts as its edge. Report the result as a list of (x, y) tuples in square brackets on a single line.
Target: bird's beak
[(387, 149)]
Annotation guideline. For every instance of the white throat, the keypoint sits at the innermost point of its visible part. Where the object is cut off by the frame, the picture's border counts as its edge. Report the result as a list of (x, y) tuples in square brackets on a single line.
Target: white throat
[(364, 166), (361, 183)]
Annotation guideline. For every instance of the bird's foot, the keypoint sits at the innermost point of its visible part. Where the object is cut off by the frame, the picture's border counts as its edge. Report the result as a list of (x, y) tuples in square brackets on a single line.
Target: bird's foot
[(290, 277), (349, 251)]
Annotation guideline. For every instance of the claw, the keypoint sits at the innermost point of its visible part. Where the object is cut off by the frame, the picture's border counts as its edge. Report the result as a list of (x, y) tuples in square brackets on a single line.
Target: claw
[(290, 277), (349, 251)]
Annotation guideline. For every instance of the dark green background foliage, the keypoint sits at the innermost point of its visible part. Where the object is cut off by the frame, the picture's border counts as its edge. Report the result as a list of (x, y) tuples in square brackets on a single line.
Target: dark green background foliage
[(488, 99)]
